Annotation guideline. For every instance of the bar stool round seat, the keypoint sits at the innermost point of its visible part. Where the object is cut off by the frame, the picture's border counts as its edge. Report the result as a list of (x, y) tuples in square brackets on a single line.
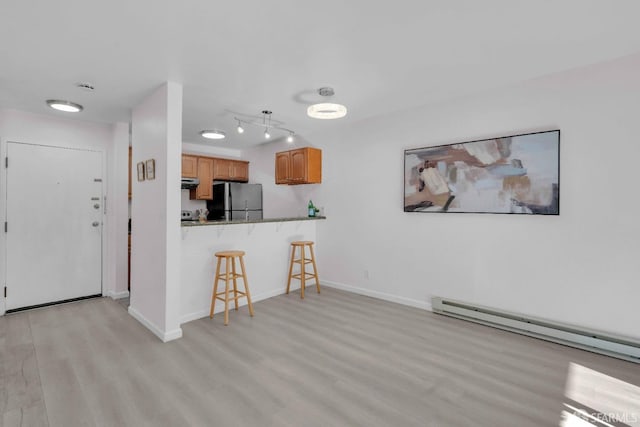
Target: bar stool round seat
[(230, 275), (303, 260)]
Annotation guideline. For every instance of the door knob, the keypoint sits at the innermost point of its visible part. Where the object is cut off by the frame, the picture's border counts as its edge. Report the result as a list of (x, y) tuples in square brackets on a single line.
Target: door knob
[(95, 223), (96, 206)]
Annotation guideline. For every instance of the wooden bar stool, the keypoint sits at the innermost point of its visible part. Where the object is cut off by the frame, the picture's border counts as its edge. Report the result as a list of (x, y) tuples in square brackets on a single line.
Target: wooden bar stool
[(303, 261), (230, 274)]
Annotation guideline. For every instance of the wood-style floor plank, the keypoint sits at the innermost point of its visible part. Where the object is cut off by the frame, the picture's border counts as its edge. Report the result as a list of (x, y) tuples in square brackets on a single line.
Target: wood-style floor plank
[(333, 359)]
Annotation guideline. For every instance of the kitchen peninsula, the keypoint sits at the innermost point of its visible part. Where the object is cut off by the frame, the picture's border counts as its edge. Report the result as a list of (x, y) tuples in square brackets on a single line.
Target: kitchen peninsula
[(267, 246)]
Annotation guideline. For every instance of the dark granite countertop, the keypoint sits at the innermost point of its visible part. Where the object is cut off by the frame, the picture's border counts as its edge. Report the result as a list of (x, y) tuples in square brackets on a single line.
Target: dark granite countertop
[(254, 221)]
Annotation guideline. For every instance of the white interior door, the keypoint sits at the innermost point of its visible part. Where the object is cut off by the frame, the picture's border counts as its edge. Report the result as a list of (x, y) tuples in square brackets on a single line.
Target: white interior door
[(54, 219)]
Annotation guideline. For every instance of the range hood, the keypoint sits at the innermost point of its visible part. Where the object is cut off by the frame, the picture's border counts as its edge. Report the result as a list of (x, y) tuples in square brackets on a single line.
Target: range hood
[(189, 183)]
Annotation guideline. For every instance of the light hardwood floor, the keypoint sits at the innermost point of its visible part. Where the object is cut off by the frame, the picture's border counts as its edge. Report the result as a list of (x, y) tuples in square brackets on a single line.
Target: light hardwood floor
[(334, 359)]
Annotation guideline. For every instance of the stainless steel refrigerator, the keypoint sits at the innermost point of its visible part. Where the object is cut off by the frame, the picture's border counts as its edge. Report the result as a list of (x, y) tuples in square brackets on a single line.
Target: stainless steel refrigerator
[(235, 201)]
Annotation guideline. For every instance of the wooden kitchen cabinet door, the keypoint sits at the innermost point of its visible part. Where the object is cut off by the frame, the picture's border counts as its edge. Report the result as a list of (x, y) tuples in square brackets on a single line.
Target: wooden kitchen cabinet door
[(204, 191), (189, 166), (239, 171), (222, 170), (298, 162), (282, 167)]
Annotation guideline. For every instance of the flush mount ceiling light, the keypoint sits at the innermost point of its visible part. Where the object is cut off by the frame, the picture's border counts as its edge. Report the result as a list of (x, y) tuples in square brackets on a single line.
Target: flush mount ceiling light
[(326, 110), (66, 106), (266, 125), (213, 134)]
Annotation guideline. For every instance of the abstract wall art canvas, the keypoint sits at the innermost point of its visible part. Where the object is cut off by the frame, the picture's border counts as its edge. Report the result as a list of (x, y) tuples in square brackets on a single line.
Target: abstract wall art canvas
[(517, 174)]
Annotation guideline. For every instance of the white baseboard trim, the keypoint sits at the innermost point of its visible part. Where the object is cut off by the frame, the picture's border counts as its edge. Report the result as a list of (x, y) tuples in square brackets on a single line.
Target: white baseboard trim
[(379, 295), (117, 295), (220, 306), (164, 336), (275, 292), (185, 318)]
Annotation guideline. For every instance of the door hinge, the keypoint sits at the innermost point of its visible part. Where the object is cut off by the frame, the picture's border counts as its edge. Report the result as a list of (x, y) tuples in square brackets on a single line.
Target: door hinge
[(5, 291), (5, 226), (6, 162)]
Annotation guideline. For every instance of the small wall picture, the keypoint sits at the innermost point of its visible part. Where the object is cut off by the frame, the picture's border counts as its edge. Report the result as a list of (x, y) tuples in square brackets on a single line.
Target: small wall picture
[(151, 169), (140, 171)]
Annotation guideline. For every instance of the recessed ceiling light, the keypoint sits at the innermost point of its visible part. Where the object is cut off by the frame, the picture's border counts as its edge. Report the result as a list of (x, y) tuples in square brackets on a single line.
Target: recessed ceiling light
[(326, 110), (213, 134), (66, 106)]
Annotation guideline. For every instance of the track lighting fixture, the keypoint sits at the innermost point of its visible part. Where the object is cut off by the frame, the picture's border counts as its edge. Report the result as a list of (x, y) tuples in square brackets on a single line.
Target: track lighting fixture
[(266, 124)]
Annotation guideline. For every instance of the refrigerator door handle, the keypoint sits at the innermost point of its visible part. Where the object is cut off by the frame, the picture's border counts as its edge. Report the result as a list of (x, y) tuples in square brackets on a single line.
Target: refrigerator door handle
[(227, 201)]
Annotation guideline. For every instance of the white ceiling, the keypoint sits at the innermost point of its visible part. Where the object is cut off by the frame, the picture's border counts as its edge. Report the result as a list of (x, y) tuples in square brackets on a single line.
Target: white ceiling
[(236, 58)]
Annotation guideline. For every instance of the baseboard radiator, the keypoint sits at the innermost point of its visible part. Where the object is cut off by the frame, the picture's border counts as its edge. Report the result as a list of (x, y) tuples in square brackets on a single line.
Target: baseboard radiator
[(570, 335)]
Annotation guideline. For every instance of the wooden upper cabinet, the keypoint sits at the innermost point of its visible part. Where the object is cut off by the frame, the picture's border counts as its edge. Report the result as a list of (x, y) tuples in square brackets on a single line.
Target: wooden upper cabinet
[(299, 166), (204, 191), (208, 169), (231, 170), (189, 166)]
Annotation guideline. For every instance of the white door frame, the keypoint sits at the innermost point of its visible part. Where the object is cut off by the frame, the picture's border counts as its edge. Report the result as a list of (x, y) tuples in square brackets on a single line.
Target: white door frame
[(3, 210)]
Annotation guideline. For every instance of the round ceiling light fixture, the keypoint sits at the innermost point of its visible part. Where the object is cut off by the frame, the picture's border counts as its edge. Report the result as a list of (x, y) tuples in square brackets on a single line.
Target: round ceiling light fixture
[(66, 106), (213, 134), (326, 110)]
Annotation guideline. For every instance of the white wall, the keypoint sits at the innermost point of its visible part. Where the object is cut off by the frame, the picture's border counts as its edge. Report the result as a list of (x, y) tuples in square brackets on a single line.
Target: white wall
[(280, 201), (580, 267), (57, 131), (118, 212), (155, 213), (208, 150)]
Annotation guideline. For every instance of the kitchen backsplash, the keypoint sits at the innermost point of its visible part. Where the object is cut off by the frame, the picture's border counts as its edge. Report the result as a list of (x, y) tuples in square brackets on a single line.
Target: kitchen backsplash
[(191, 205)]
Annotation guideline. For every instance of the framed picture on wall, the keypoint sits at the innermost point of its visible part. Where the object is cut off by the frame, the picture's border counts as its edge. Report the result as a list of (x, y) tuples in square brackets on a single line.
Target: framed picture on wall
[(151, 169), (140, 171), (516, 174)]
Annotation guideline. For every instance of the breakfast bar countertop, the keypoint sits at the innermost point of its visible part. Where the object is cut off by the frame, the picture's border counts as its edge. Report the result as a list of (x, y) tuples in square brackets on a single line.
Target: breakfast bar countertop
[(251, 221)]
